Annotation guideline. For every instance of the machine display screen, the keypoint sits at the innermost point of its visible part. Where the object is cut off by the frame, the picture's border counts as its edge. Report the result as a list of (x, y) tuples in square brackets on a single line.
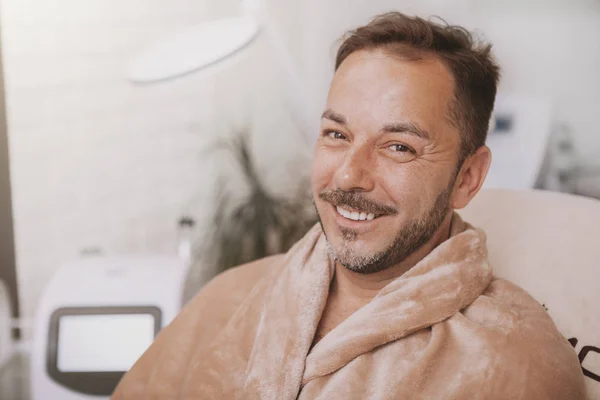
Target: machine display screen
[(102, 342)]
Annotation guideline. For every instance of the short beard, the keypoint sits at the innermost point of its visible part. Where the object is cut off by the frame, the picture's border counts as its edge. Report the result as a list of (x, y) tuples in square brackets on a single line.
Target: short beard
[(409, 239)]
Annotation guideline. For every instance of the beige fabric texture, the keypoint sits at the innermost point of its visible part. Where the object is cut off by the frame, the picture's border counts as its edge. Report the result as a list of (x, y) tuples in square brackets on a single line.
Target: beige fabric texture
[(446, 329), (554, 255)]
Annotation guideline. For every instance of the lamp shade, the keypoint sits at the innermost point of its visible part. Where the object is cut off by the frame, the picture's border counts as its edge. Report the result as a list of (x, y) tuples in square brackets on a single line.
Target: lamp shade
[(192, 49)]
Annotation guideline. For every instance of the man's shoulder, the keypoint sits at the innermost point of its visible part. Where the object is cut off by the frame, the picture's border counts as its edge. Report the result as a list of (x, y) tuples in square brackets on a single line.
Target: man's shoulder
[(210, 309), (196, 327), (243, 278), (230, 288), (508, 306), (214, 304), (508, 312), (522, 333)]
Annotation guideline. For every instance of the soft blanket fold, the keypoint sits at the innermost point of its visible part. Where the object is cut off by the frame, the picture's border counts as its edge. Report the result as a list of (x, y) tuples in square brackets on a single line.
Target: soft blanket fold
[(444, 330)]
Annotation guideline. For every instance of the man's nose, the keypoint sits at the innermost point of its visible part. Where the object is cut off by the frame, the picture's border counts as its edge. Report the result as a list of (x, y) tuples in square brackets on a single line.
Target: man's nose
[(356, 171)]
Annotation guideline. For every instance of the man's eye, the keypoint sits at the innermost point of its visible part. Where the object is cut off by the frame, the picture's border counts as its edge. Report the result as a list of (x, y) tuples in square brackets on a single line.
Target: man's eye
[(335, 135), (400, 148)]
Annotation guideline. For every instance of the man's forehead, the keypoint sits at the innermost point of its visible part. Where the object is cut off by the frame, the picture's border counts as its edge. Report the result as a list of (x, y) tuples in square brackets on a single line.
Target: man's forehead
[(377, 70), (376, 86)]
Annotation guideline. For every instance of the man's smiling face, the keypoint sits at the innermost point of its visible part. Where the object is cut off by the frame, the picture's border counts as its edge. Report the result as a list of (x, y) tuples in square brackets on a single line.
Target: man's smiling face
[(386, 159)]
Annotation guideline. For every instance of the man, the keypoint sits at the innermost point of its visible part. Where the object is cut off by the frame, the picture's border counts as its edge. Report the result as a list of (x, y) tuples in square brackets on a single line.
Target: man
[(391, 296)]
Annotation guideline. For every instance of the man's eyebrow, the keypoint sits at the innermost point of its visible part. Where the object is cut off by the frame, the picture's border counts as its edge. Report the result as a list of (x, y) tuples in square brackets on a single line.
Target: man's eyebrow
[(397, 127), (407, 127), (333, 116)]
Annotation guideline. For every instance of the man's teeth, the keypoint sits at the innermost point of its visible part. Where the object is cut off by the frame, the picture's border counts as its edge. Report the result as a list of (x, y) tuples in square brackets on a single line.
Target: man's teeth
[(355, 215)]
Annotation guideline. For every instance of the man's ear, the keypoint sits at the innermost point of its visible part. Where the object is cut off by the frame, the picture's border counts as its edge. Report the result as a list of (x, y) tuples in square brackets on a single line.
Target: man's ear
[(471, 177)]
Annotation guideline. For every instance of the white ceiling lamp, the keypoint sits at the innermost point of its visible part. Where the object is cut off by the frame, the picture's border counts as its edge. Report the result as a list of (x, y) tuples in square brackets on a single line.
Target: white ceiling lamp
[(207, 44), (193, 49)]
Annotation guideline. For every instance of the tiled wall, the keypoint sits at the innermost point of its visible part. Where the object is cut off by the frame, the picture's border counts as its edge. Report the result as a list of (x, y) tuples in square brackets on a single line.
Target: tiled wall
[(100, 162)]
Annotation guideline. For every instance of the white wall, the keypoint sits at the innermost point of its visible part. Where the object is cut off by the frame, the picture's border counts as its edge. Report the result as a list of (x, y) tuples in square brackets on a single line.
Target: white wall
[(90, 165)]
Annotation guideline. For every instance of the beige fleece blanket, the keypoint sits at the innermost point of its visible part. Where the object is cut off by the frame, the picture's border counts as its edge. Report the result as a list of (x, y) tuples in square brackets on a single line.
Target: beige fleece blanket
[(444, 330)]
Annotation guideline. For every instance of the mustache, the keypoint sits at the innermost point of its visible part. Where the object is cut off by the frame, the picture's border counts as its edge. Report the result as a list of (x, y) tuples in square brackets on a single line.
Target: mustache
[(356, 200)]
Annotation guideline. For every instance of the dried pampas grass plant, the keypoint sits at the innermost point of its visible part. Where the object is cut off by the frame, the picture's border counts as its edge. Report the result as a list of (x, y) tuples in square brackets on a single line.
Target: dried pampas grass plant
[(254, 226)]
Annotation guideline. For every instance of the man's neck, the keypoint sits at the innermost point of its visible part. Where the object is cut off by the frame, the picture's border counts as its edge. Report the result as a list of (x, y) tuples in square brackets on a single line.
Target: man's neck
[(349, 291)]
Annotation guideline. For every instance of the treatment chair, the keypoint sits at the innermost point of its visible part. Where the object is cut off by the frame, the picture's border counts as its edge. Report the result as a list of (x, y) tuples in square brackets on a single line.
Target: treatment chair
[(549, 244)]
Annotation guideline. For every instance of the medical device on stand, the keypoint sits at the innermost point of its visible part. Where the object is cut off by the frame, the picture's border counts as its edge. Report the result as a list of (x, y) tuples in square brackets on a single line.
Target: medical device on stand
[(529, 148), (519, 134), (96, 317)]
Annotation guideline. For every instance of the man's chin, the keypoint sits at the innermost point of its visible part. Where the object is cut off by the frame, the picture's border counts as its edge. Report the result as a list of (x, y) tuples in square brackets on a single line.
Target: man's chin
[(364, 265), (354, 254)]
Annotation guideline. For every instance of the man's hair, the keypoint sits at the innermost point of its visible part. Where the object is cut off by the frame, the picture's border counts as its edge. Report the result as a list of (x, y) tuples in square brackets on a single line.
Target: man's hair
[(471, 63)]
